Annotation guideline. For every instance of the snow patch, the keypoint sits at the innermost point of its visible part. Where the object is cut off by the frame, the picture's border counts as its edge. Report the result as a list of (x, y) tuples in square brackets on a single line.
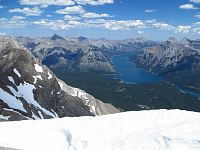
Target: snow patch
[(55, 113), (11, 79), (17, 72), (37, 77), (49, 76), (4, 117), (26, 91), (61, 85), (40, 114), (11, 101), (38, 68)]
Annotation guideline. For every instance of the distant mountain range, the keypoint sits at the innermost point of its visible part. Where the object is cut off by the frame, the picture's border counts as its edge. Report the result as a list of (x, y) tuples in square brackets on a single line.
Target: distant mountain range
[(178, 61), (29, 90), (80, 53)]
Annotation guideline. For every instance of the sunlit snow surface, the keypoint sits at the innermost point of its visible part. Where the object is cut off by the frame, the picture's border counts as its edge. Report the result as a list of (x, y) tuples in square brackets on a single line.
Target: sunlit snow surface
[(145, 130), (38, 68)]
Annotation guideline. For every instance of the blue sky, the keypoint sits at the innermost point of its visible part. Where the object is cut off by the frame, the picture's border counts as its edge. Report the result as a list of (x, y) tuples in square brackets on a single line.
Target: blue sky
[(112, 19)]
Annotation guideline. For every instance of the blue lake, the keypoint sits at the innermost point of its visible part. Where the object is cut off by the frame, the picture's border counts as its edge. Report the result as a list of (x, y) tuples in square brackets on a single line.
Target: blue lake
[(128, 72)]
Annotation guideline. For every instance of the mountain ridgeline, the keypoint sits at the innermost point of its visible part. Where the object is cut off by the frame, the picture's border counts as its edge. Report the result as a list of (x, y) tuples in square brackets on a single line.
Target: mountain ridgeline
[(178, 61), (29, 90), (80, 54)]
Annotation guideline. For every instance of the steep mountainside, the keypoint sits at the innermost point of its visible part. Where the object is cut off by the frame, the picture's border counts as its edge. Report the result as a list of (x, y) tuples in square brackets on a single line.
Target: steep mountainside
[(29, 90), (178, 61), (95, 61)]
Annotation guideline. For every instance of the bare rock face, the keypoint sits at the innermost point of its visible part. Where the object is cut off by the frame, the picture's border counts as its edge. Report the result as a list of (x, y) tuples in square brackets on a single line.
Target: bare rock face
[(29, 90), (95, 61), (170, 56)]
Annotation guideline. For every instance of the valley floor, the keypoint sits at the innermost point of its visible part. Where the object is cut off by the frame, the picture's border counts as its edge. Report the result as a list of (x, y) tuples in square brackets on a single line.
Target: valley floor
[(142, 130)]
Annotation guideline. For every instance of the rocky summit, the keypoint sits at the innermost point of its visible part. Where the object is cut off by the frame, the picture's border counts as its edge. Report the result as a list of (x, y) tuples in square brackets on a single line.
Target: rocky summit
[(29, 90)]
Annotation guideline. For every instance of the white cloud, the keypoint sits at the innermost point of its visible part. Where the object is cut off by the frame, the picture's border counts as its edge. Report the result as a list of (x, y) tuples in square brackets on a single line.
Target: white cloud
[(94, 15), (123, 25), (2, 33), (74, 23), (151, 21), (197, 16), (197, 23), (46, 3), (97, 23), (162, 26), (195, 1), (1, 6), (12, 23), (69, 17), (17, 18), (27, 11), (71, 10), (183, 29), (53, 24), (94, 2), (187, 6), (149, 10)]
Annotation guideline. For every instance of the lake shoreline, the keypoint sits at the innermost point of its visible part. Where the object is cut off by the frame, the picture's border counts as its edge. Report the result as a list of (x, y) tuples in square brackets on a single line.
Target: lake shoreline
[(125, 62)]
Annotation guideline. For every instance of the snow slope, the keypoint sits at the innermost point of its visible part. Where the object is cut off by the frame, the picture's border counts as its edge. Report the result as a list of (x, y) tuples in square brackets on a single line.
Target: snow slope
[(143, 130)]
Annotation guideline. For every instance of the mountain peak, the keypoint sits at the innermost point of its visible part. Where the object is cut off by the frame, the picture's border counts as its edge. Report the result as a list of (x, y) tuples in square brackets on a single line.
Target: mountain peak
[(172, 40), (9, 43), (56, 37), (82, 38)]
